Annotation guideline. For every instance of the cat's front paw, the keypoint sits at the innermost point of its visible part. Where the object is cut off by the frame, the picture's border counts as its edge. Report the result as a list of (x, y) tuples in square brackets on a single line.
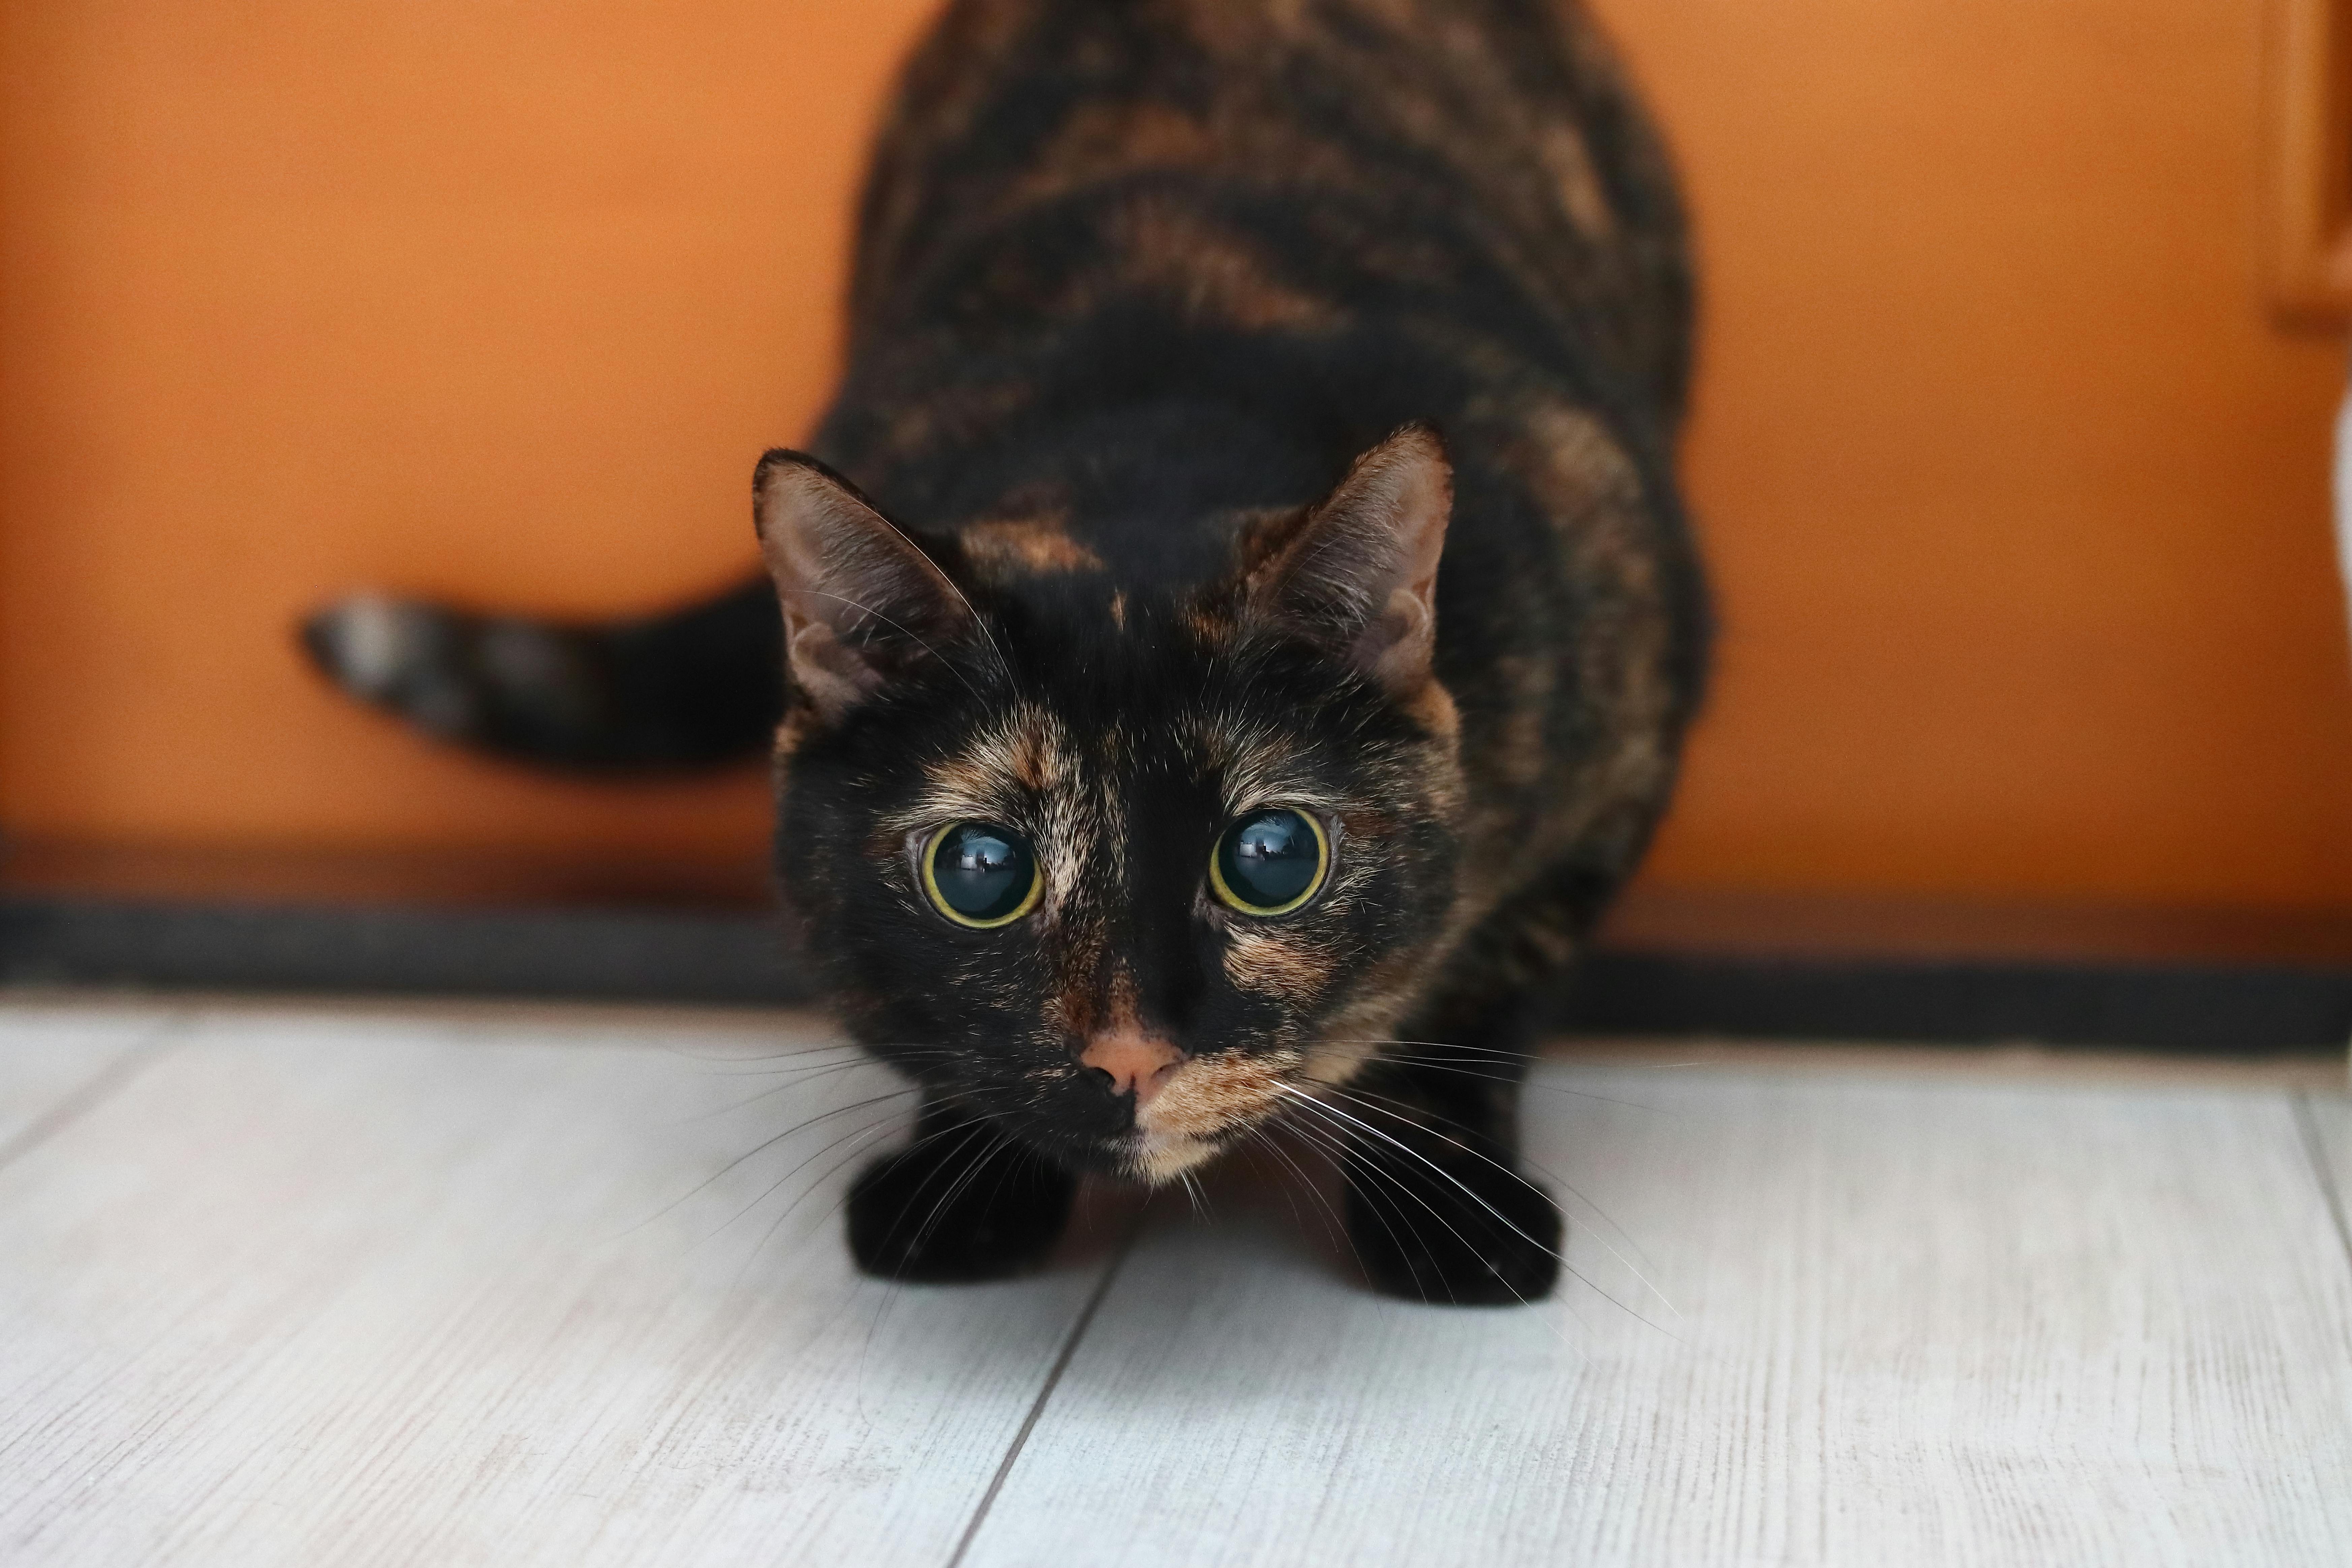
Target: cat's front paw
[(927, 1216), (1471, 1237)]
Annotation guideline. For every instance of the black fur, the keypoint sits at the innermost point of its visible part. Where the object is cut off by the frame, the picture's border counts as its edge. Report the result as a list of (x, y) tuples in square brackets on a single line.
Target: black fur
[(696, 688)]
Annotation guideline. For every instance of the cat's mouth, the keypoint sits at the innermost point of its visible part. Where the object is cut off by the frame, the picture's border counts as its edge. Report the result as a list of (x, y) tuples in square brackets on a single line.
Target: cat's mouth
[(1203, 1107)]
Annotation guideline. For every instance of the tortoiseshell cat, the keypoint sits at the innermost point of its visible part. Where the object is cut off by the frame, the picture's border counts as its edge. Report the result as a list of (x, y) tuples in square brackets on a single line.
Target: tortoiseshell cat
[(1239, 621)]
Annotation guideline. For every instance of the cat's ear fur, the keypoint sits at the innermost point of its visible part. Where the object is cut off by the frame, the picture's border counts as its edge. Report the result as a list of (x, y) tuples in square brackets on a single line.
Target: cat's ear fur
[(861, 601), (1359, 574)]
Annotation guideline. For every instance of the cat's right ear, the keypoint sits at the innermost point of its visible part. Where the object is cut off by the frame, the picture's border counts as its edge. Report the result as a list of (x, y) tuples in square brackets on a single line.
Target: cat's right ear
[(861, 601)]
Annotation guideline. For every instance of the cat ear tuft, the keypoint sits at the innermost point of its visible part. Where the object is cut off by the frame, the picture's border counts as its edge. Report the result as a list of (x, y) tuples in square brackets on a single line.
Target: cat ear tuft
[(861, 602), (1359, 574)]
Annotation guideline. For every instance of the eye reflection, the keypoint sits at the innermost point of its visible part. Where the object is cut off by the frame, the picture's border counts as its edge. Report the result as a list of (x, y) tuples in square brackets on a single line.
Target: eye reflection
[(1269, 862), (980, 875)]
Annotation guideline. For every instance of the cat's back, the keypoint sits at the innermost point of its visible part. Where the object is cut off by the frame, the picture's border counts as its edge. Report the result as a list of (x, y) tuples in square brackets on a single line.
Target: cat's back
[(1477, 165), (1133, 272)]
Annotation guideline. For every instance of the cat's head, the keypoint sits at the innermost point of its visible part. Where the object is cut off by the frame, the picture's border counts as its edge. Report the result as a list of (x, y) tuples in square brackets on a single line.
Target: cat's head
[(1119, 866)]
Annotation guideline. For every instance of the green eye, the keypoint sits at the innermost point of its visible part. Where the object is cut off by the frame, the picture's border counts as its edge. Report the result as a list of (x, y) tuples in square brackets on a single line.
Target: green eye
[(1269, 862), (980, 875)]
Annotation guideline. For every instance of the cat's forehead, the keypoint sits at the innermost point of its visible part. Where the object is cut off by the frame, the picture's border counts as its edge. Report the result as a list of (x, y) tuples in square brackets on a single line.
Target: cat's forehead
[(1041, 546), (1032, 759), (999, 767)]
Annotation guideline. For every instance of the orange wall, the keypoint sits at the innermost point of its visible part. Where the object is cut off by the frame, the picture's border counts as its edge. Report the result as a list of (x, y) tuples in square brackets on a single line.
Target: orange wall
[(2015, 495)]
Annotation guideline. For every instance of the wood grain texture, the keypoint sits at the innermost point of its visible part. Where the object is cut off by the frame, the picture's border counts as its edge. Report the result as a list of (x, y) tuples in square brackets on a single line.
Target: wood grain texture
[(54, 1057), (444, 1287), (2326, 1117), (1919, 1323), (326, 1290)]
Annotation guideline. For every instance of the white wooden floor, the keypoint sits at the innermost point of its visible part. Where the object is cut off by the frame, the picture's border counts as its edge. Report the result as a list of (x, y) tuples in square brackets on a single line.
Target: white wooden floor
[(352, 1287)]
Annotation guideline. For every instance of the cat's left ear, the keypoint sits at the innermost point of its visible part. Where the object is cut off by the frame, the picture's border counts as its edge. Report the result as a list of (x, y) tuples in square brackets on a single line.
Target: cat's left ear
[(1360, 574), (862, 605)]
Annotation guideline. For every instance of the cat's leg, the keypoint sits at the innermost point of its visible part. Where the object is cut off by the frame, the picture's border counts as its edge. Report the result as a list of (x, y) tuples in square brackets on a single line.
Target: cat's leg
[(1439, 1207), (961, 1203)]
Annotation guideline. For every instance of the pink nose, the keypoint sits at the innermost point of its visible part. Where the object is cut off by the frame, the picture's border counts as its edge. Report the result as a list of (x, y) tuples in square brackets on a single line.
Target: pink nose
[(1135, 1063)]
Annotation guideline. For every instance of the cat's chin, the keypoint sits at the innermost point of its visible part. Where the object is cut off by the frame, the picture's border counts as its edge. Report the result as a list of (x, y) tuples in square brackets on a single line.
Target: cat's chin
[(1151, 1160), (1157, 1160)]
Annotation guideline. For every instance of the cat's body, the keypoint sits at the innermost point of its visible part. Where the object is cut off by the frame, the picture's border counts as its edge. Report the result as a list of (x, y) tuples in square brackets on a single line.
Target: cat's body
[(1136, 285)]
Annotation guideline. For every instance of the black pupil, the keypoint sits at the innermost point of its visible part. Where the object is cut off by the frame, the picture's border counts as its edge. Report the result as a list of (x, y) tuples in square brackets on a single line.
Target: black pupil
[(1269, 859), (983, 871)]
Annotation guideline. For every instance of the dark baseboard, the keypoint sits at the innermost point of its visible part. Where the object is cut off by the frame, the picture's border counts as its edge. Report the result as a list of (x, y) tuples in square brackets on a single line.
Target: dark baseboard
[(2174, 1007), (1671, 962), (600, 954)]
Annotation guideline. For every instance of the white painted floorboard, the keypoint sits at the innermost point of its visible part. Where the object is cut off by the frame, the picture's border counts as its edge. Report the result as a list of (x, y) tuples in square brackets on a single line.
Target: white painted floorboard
[(51, 1057), (2329, 1117), (326, 1287), (316, 1292), (1915, 1322)]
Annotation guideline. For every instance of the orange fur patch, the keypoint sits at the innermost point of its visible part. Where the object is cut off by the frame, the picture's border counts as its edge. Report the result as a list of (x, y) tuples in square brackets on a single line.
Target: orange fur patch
[(1037, 546)]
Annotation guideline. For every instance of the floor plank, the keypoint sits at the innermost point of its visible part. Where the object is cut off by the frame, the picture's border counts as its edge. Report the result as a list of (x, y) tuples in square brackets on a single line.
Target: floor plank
[(316, 1289), (2327, 1118), (55, 1057), (1919, 1321), (444, 1286)]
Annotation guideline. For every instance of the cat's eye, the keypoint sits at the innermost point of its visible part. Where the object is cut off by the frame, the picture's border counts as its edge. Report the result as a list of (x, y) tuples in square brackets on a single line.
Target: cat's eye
[(1269, 862), (980, 875)]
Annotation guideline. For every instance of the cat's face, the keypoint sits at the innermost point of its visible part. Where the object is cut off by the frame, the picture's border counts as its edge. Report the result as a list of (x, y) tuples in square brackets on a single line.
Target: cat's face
[(1119, 869)]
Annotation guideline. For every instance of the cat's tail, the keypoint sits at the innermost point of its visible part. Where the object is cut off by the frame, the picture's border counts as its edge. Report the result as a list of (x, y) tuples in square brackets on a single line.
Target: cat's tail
[(696, 687)]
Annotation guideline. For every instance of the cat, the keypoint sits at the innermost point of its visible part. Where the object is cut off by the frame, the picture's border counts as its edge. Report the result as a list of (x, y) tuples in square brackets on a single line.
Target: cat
[(1237, 619)]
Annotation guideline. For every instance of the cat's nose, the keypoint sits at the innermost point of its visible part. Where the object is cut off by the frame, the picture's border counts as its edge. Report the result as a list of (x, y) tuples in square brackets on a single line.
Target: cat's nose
[(1136, 1063)]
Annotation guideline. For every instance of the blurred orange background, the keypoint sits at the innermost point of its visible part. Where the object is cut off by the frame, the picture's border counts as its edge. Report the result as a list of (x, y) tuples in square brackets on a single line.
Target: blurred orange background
[(2015, 492)]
